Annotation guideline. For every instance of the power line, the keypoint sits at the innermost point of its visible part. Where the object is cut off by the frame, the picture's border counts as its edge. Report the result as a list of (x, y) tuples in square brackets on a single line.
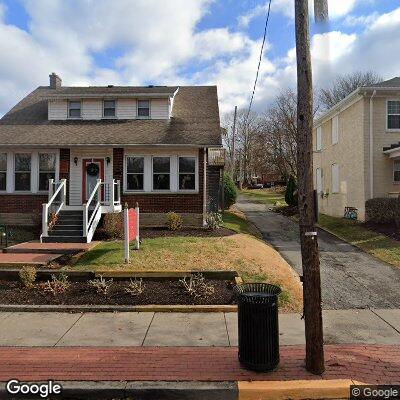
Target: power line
[(259, 61)]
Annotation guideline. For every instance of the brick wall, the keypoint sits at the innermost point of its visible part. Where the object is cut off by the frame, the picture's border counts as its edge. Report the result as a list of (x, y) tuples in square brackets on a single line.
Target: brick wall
[(21, 203)]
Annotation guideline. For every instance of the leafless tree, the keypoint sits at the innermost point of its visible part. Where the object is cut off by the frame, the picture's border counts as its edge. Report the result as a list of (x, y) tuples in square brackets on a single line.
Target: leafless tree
[(343, 85)]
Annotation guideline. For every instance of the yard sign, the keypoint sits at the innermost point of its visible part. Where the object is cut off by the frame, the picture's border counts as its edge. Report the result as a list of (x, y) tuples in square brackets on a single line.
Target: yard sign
[(131, 229)]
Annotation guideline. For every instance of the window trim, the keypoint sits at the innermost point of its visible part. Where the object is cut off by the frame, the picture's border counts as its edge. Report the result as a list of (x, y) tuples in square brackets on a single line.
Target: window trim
[(196, 173), (69, 108), (137, 109), (387, 115), (169, 173), (321, 176), (338, 176), (5, 171), (393, 171), (125, 181), (38, 168), (115, 109)]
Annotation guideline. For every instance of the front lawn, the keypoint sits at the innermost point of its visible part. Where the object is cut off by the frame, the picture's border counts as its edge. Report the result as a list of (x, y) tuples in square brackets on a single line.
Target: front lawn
[(376, 244), (265, 196)]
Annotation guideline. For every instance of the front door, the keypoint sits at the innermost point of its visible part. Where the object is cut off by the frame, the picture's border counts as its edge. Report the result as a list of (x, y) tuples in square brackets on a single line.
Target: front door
[(90, 174)]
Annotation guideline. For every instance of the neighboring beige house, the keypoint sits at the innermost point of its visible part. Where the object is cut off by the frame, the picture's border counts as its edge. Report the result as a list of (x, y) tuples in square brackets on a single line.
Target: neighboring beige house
[(357, 149)]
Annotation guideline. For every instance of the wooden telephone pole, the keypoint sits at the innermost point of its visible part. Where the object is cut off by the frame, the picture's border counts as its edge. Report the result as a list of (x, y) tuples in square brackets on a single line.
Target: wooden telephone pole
[(308, 235)]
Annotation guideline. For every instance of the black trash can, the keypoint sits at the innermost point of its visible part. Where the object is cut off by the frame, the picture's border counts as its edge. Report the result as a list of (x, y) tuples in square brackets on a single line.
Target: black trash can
[(258, 325)]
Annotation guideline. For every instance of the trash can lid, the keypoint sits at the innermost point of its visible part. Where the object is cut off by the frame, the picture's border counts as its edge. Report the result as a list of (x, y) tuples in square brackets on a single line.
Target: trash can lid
[(258, 290)]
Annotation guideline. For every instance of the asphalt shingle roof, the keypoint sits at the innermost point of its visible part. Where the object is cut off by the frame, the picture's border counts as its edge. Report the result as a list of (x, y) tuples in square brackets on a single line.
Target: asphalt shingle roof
[(195, 121), (394, 82)]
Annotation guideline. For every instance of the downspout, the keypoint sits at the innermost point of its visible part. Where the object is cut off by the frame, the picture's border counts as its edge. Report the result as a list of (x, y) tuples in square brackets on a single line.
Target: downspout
[(371, 145), (204, 185)]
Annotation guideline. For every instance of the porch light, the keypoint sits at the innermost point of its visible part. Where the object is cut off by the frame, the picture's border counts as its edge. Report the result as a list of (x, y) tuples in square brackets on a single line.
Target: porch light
[(76, 160), (108, 160)]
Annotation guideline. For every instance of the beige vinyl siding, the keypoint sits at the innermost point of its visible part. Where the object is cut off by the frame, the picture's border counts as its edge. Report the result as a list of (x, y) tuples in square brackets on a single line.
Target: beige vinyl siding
[(126, 108), (92, 109), (75, 190), (58, 109), (159, 109)]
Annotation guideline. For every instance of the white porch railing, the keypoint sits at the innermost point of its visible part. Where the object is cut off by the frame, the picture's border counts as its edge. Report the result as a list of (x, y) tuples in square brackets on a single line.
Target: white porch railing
[(92, 212), (111, 192), (57, 198)]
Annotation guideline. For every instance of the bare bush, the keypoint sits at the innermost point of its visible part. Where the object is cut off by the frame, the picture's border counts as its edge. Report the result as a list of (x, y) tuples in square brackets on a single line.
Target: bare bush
[(197, 286), (57, 285), (101, 285), (135, 287)]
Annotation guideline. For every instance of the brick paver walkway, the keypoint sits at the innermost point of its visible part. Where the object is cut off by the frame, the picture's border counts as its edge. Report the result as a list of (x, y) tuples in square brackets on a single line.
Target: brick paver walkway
[(369, 364)]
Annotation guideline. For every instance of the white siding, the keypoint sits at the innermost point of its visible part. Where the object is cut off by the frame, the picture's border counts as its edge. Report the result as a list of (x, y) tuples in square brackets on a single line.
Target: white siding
[(126, 108), (159, 109), (335, 129), (76, 179), (335, 178), (319, 139), (319, 180), (58, 109), (92, 109)]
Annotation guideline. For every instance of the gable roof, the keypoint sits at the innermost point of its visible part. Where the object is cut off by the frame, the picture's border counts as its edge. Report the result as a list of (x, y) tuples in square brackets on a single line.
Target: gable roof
[(394, 82), (195, 121)]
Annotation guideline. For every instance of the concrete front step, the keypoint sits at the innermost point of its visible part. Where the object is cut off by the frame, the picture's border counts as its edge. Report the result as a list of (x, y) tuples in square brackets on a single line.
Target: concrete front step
[(49, 248), (33, 259), (65, 232), (64, 239)]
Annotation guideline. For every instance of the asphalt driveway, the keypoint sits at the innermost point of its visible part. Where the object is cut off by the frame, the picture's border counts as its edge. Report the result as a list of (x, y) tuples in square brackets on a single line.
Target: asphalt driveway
[(350, 278)]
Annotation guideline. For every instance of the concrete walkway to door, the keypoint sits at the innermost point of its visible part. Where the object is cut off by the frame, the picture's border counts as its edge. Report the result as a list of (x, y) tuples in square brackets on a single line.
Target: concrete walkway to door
[(350, 278)]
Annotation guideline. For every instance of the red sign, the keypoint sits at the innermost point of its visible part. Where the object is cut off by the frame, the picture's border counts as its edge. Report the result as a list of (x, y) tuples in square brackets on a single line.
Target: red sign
[(133, 224)]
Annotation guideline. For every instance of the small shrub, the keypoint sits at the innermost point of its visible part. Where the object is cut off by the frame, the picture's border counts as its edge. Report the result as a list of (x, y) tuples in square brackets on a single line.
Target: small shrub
[(291, 188), (113, 225), (53, 220), (230, 191), (213, 220), (197, 286), (57, 285), (101, 285), (135, 287), (174, 221), (27, 274), (383, 210)]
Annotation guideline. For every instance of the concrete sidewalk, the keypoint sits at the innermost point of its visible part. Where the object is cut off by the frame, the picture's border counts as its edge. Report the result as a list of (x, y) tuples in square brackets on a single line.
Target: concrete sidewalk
[(180, 329)]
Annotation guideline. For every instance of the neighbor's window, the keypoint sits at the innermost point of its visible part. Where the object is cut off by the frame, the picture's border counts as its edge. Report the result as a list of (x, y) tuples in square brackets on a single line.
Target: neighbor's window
[(335, 178), (3, 171), (134, 173), (319, 180), (393, 117), (143, 108), (319, 139), (47, 169), (22, 172), (109, 108), (396, 171), (187, 173), (74, 109), (335, 129), (161, 173)]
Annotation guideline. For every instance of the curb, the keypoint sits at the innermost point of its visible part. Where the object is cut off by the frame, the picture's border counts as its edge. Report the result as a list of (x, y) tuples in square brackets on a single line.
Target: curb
[(117, 308)]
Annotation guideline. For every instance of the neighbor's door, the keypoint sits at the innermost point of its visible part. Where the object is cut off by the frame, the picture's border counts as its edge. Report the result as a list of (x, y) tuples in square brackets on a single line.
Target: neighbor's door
[(89, 180)]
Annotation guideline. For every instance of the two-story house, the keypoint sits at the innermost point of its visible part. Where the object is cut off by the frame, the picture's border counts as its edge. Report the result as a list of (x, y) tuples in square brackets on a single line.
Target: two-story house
[(357, 149), (84, 151)]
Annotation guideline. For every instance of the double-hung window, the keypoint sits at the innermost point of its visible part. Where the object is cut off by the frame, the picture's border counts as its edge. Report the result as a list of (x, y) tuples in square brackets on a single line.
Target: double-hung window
[(109, 108), (22, 172), (396, 171), (47, 169), (319, 180), (393, 114), (187, 173), (3, 171), (74, 109), (335, 178), (134, 173), (161, 173), (143, 108)]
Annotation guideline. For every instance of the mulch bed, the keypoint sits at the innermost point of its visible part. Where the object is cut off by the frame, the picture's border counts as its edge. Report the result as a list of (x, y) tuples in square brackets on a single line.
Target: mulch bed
[(166, 292), (287, 211), (390, 230)]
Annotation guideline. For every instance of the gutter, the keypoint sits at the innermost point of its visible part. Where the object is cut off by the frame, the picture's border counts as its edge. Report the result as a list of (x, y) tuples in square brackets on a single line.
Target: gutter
[(371, 145), (59, 145)]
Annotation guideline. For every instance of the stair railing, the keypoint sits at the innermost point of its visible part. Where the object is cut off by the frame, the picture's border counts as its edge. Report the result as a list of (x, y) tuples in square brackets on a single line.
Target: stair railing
[(111, 193), (92, 212), (57, 199)]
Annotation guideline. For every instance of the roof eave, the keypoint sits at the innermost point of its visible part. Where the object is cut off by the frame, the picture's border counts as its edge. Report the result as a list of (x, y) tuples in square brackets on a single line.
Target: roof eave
[(107, 95)]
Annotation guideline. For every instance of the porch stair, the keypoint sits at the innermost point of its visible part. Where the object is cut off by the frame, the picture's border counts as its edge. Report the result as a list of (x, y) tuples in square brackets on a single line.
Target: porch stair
[(68, 228)]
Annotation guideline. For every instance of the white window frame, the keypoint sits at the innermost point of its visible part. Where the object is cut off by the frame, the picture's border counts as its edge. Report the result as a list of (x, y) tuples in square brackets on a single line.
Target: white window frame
[(115, 109), (318, 141), (196, 173), (394, 170), (126, 173), (335, 185), (387, 115), (137, 109), (152, 174), (18, 172), (319, 180), (335, 130), (69, 108), (5, 171), (38, 169)]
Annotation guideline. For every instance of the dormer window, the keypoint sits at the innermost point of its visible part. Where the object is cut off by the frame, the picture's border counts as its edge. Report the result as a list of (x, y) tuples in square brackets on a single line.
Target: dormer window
[(74, 109), (143, 108), (109, 108)]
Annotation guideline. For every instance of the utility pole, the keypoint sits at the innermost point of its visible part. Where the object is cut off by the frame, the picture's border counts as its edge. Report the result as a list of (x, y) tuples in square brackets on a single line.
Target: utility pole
[(308, 236), (321, 11), (233, 145)]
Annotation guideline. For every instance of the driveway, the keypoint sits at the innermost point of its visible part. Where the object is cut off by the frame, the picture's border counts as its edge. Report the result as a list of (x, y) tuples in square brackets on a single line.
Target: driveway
[(350, 278)]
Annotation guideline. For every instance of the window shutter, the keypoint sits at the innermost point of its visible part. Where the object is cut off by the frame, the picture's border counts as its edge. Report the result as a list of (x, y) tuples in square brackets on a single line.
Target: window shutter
[(335, 178), (335, 129), (319, 138), (319, 180)]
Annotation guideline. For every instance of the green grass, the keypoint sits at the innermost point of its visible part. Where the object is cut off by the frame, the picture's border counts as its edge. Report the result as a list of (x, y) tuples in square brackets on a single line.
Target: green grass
[(376, 244), (238, 224), (265, 196)]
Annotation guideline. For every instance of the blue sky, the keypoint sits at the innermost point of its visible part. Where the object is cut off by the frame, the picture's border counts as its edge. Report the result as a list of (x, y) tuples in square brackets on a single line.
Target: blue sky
[(98, 42)]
